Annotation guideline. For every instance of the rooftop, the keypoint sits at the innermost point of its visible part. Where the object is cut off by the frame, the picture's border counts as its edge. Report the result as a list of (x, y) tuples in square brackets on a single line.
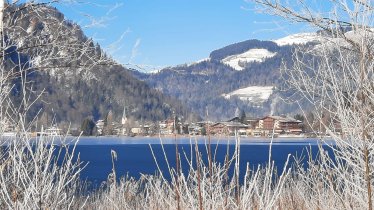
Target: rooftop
[(283, 119)]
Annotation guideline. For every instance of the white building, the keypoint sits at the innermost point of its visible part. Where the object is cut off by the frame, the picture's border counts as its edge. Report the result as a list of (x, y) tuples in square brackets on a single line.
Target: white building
[(100, 127), (124, 121)]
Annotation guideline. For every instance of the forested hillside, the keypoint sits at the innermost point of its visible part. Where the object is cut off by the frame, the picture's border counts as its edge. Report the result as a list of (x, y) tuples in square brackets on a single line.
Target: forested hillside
[(82, 81)]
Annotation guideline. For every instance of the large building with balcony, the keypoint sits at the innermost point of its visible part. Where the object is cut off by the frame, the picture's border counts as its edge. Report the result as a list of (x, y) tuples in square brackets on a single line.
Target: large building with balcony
[(280, 124)]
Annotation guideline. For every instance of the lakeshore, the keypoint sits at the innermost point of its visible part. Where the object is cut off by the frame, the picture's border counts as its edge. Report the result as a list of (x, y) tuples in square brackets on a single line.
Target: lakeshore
[(184, 140)]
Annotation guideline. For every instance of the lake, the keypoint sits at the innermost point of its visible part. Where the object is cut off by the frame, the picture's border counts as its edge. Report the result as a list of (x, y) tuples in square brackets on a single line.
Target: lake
[(134, 155)]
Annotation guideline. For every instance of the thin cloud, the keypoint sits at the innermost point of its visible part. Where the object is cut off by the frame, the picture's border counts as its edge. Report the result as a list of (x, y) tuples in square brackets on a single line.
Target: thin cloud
[(116, 6), (135, 50), (279, 27), (100, 22), (116, 46), (246, 9)]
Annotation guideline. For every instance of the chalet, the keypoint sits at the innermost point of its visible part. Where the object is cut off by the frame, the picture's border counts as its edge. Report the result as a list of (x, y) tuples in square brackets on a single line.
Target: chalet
[(195, 129), (280, 124), (229, 128), (235, 119), (204, 124), (166, 127), (136, 131), (252, 122), (53, 131)]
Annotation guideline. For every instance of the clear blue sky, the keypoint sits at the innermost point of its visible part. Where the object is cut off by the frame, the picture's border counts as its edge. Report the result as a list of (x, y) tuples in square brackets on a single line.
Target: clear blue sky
[(168, 32)]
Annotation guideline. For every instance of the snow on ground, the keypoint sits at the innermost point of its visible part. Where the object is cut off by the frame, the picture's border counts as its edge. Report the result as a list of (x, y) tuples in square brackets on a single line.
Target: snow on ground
[(154, 71), (301, 38), (238, 61), (325, 42), (36, 61), (253, 94), (29, 29), (20, 43), (199, 61)]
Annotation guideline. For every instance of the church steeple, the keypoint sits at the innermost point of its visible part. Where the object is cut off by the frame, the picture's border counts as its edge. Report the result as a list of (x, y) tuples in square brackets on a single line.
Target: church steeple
[(124, 117)]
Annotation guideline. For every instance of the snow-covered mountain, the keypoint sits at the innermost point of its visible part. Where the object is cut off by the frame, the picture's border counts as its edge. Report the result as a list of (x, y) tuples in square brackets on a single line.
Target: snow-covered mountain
[(297, 39), (244, 74), (238, 55), (239, 61)]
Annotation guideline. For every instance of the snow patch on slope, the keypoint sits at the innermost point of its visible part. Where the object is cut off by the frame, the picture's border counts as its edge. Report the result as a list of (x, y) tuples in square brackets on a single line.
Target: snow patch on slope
[(253, 94), (238, 61), (301, 38)]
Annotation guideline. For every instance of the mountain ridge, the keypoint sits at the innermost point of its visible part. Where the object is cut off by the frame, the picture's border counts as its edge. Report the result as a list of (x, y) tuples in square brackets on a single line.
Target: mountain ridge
[(202, 85)]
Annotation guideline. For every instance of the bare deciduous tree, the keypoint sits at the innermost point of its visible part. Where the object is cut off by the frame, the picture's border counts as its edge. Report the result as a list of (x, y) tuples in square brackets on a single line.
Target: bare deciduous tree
[(337, 77), (35, 37)]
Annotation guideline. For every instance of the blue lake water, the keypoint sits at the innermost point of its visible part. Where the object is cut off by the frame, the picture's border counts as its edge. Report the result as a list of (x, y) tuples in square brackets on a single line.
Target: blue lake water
[(134, 155)]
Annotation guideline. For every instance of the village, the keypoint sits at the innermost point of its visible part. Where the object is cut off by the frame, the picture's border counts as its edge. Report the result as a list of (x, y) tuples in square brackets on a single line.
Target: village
[(268, 126), (271, 126)]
